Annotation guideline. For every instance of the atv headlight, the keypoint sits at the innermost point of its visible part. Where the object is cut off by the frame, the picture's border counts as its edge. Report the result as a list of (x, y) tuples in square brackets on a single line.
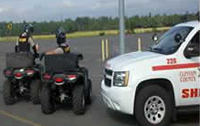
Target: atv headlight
[(121, 79)]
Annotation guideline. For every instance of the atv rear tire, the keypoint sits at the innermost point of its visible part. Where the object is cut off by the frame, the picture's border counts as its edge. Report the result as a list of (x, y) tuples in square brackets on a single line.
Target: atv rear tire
[(8, 93), (89, 94), (47, 105), (35, 91), (79, 100)]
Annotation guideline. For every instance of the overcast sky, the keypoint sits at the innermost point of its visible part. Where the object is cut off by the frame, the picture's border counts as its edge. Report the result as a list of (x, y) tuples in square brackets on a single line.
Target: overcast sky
[(41, 10)]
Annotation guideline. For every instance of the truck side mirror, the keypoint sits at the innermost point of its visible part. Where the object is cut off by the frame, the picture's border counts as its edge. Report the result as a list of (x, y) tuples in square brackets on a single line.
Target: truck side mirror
[(80, 56), (155, 37), (178, 38), (192, 51)]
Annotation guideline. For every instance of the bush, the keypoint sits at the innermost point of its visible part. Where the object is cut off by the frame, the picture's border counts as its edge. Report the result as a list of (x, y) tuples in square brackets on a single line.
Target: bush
[(101, 33)]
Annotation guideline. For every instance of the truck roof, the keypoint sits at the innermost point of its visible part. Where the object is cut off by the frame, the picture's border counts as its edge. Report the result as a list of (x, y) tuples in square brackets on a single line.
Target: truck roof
[(190, 24)]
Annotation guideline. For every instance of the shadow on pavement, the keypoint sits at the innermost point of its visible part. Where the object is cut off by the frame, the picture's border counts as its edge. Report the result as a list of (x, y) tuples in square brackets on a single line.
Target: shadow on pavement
[(122, 118)]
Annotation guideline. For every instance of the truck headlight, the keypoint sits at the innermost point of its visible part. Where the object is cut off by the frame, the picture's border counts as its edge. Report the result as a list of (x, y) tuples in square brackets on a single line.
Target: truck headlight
[(121, 79)]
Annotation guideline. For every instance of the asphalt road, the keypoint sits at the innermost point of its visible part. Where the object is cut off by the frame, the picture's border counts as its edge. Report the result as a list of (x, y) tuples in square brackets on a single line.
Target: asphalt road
[(27, 114)]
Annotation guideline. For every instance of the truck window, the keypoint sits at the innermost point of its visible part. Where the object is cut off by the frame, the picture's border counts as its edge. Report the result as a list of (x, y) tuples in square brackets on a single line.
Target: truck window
[(195, 41), (167, 44)]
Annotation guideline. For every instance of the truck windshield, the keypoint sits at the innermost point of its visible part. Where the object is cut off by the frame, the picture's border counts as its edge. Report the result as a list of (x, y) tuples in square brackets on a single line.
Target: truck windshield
[(167, 44)]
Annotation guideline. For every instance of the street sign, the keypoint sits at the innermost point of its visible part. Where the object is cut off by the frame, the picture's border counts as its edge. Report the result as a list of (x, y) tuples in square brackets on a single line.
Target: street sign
[(9, 26)]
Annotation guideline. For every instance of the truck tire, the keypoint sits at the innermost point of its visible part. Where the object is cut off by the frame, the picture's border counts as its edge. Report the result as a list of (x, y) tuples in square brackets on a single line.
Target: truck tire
[(153, 106), (8, 93), (47, 105), (89, 96), (78, 100), (35, 91)]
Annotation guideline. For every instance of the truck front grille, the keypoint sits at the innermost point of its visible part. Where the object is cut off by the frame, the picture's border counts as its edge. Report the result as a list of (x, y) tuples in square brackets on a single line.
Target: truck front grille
[(108, 72), (108, 81)]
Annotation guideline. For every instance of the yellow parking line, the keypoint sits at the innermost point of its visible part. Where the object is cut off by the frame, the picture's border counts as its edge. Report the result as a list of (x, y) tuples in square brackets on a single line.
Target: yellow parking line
[(103, 50), (23, 120), (107, 49)]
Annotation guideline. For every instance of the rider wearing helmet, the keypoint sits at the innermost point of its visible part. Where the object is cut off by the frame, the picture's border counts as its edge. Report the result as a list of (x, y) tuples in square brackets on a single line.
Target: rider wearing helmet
[(25, 41), (63, 47)]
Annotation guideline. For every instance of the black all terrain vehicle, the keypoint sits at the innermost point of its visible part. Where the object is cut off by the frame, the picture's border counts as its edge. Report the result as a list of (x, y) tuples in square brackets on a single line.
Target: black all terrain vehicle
[(23, 78), (64, 82)]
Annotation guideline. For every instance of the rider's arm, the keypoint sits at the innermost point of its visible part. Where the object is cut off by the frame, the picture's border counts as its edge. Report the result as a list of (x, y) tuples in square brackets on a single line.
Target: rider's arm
[(34, 47), (30, 41), (56, 51)]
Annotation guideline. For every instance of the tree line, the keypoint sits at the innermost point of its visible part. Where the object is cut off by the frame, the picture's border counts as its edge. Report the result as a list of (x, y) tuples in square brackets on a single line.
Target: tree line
[(101, 23)]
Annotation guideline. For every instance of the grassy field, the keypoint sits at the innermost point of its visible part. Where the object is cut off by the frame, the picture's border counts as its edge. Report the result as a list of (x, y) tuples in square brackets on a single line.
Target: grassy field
[(87, 34)]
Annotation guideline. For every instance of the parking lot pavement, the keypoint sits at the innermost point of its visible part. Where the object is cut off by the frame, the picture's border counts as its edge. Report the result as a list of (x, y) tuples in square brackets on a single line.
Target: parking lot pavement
[(27, 114), (7, 121)]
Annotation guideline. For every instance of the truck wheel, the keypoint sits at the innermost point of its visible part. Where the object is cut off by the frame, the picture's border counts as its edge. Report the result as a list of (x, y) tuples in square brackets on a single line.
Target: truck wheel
[(89, 96), (79, 100), (47, 105), (153, 106), (8, 93), (35, 91)]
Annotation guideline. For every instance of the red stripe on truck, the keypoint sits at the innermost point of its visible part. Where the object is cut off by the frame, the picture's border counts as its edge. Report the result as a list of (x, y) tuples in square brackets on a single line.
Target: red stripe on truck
[(177, 66)]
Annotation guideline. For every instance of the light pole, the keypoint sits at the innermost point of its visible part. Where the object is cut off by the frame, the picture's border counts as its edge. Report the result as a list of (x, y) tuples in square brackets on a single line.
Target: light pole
[(122, 25)]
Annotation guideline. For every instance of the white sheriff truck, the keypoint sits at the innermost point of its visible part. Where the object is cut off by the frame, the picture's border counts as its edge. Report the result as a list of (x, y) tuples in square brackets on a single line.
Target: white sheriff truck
[(156, 84)]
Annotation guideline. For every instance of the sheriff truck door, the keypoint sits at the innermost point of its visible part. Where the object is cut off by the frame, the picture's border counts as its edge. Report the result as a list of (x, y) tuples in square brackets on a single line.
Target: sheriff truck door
[(190, 76)]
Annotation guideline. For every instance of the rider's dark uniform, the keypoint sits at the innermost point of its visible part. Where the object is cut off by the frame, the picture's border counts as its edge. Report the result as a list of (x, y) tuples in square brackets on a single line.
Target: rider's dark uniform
[(23, 43)]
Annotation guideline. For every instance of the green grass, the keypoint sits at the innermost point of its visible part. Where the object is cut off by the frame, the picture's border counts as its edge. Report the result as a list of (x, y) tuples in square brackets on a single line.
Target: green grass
[(87, 34), (148, 30)]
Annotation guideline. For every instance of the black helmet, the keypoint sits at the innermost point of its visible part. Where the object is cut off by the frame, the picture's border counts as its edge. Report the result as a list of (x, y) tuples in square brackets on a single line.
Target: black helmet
[(29, 28), (60, 36)]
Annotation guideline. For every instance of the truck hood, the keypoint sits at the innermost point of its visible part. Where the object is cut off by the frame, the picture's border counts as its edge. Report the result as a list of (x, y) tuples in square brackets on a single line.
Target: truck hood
[(118, 63)]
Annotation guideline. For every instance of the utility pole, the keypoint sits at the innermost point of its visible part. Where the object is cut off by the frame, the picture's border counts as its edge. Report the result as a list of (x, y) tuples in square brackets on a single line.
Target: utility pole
[(122, 25)]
